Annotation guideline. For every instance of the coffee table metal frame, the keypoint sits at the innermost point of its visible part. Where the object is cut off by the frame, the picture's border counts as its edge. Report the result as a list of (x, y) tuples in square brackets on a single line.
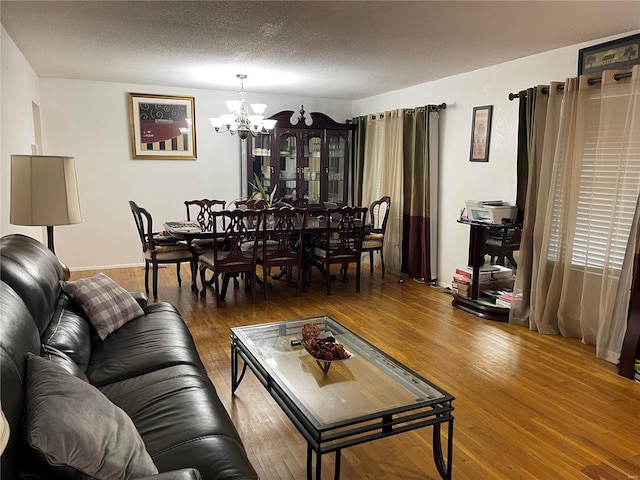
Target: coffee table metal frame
[(326, 438)]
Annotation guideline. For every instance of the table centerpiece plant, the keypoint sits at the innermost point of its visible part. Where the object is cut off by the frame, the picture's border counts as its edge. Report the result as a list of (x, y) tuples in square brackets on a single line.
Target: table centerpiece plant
[(261, 194)]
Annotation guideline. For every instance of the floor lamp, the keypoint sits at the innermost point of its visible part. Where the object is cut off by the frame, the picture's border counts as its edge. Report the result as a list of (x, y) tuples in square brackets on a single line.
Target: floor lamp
[(44, 192)]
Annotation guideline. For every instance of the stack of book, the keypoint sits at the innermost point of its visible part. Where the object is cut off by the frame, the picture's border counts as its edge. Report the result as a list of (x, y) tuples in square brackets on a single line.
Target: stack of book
[(490, 277), (504, 299)]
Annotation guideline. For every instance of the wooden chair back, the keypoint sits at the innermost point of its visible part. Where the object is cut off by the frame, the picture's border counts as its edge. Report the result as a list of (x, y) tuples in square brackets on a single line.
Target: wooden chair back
[(379, 214), (202, 211), (341, 241), (281, 242)]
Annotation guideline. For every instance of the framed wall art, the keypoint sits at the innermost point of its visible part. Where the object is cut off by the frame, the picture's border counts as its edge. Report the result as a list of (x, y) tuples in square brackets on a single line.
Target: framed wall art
[(480, 133), (614, 55), (162, 127)]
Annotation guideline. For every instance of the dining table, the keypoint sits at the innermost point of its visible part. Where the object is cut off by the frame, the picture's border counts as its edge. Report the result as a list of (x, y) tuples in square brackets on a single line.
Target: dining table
[(188, 231)]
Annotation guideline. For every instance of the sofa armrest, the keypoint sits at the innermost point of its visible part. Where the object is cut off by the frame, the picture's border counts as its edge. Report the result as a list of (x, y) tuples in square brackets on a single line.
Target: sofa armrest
[(182, 474), (142, 300)]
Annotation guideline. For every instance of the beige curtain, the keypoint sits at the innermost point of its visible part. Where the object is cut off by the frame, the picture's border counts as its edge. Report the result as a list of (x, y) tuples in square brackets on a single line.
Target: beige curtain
[(382, 175), (585, 211)]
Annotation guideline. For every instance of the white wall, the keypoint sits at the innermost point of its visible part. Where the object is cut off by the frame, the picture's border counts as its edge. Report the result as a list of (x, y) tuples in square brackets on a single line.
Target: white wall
[(461, 179), (19, 91), (90, 121)]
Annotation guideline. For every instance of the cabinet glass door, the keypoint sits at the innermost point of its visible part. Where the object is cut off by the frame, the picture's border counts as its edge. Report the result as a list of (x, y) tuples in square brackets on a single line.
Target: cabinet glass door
[(261, 160), (287, 168), (311, 167), (336, 185)]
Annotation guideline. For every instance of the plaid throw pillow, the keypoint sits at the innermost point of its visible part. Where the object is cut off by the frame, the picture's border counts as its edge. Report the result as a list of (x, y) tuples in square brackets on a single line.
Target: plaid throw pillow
[(107, 304)]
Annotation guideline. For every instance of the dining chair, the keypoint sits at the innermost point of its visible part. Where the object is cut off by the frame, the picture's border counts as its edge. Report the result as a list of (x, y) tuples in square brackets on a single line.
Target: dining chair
[(341, 242), (377, 226), (231, 228), (281, 243), (502, 242), (202, 212), (160, 249)]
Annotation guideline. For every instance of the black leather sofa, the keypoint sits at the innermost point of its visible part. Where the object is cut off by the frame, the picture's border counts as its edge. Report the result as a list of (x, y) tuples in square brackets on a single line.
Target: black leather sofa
[(149, 368)]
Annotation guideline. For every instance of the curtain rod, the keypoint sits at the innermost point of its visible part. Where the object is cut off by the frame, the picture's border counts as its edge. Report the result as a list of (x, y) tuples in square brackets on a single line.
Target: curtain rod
[(591, 81), (432, 108)]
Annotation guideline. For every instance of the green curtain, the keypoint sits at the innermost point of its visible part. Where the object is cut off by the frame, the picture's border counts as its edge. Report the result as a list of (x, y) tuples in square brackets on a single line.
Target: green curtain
[(416, 258), (527, 100), (358, 157)]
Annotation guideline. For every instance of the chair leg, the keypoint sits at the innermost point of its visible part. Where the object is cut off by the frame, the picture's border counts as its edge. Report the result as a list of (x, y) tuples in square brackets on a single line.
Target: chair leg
[(155, 282), (251, 276), (216, 283), (265, 281), (298, 280), (146, 277), (358, 277), (328, 277), (382, 262), (371, 261), (194, 269), (178, 265), (203, 279)]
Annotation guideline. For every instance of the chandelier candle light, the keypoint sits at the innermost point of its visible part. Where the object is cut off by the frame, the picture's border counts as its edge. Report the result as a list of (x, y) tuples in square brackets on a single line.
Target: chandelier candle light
[(239, 121)]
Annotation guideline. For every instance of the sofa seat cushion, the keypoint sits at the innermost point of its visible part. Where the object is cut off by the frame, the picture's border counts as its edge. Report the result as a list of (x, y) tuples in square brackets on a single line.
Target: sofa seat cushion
[(183, 422), (77, 429), (372, 243), (107, 305), (156, 340)]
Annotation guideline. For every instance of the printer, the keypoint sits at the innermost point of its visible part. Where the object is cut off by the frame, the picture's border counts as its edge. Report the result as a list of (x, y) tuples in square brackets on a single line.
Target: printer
[(491, 211)]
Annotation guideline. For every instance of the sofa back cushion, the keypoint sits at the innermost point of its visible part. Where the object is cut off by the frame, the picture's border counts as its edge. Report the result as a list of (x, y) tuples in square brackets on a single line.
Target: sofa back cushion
[(18, 335), (34, 273), (69, 332)]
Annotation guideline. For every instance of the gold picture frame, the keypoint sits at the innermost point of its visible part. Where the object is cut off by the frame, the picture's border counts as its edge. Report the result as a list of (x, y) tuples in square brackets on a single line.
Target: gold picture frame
[(162, 127), (480, 133)]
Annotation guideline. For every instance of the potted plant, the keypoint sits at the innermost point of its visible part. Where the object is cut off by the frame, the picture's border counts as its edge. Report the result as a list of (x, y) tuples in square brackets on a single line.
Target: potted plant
[(261, 194)]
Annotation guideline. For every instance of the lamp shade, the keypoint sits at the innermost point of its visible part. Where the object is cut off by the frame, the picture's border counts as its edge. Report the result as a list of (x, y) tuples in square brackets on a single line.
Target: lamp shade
[(44, 191)]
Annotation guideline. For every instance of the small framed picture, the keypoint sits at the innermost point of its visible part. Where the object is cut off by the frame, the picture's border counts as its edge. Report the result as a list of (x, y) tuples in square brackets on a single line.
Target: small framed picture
[(480, 133), (614, 55), (162, 127)]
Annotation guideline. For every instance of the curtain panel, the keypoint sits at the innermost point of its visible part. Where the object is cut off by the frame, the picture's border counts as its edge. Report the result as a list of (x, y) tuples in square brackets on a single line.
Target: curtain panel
[(585, 213), (382, 175), (416, 248), (532, 121)]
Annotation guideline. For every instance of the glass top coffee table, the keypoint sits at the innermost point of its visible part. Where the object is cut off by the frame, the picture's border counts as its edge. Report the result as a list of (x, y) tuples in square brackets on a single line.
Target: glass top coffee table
[(341, 403)]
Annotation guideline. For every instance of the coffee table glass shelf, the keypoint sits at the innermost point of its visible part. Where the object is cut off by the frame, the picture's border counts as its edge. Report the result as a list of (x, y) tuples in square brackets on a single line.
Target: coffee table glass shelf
[(370, 396)]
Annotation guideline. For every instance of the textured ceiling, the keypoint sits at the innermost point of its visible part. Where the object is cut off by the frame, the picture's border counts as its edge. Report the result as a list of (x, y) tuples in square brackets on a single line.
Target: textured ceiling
[(343, 50)]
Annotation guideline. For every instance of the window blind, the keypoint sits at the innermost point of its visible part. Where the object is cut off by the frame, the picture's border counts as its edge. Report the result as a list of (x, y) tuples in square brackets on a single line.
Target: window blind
[(608, 178)]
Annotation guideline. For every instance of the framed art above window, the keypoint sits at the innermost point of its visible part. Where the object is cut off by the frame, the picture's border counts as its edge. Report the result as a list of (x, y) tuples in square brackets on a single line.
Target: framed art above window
[(480, 133), (614, 55), (162, 127)]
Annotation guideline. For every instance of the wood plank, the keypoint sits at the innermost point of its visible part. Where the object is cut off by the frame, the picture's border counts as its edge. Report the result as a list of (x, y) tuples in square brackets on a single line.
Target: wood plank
[(528, 406)]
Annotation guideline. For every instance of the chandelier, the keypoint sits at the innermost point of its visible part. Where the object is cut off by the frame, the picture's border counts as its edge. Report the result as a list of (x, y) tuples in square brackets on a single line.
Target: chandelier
[(239, 121)]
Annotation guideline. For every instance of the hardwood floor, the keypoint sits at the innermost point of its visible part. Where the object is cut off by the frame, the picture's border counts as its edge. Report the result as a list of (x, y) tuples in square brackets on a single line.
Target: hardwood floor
[(528, 406)]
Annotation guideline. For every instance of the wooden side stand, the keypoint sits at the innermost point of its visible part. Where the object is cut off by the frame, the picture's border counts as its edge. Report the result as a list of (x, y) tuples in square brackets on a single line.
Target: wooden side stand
[(477, 239)]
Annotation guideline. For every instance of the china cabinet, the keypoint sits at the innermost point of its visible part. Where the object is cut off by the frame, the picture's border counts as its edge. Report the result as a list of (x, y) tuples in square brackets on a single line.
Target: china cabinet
[(305, 160)]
